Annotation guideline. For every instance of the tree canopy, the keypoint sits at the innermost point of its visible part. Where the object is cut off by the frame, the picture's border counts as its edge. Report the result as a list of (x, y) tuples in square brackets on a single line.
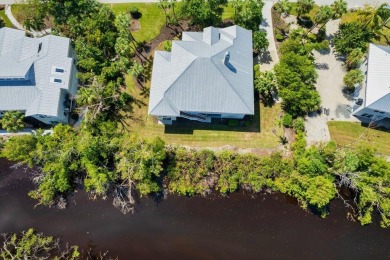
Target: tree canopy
[(203, 12), (248, 13), (351, 36), (296, 76), (12, 121)]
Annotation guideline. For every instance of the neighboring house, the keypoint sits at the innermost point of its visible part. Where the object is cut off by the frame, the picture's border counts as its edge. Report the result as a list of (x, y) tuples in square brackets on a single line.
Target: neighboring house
[(37, 76), (207, 75), (376, 106)]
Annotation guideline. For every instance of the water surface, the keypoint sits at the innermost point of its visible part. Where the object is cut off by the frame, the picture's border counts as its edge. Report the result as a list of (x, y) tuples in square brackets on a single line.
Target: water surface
[(238, 226)]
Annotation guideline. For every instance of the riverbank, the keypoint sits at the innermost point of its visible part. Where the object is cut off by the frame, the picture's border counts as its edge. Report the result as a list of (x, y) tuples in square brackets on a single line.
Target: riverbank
[(241, 226)]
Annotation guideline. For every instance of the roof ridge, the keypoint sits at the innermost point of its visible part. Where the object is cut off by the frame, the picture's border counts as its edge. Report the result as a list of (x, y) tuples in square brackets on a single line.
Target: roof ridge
[(235, 91)]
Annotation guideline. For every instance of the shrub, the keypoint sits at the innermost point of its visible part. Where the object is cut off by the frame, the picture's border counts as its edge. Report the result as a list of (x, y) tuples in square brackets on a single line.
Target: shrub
[(299, 125), (287, 120), (233, 122), (321, 35), (279, 37), (134, 12), (312, 37), (168, 45), (351, 36), (352, 78)]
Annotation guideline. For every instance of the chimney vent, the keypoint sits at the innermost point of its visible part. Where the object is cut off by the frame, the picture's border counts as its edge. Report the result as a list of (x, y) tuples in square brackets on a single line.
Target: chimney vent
[(226, 58)]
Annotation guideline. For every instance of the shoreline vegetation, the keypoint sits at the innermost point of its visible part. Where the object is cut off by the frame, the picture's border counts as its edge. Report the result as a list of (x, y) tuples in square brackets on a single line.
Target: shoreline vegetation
[(108, 158), (129, 167)]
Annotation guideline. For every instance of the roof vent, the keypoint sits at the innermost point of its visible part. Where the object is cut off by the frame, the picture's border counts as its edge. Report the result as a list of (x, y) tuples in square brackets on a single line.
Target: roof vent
[(226, 58)]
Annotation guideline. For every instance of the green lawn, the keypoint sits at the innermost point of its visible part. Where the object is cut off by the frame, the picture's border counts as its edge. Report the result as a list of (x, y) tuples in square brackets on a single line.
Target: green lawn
[(5, 19), (215, 135), (152, 20), (345, 133), (228, 12)]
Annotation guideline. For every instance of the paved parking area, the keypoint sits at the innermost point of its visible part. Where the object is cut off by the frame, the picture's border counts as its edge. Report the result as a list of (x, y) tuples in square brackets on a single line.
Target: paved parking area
[(330, 83)]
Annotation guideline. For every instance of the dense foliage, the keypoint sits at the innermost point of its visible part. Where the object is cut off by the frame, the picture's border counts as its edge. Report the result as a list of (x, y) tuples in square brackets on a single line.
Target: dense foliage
[(203, 12), (296, 76), (127, 166), (12, 121), (260, 41), (248, 13), (351, 36), (34, 245)]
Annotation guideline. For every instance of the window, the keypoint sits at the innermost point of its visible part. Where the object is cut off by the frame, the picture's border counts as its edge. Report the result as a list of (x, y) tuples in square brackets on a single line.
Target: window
[(59, 70), (58, 80)]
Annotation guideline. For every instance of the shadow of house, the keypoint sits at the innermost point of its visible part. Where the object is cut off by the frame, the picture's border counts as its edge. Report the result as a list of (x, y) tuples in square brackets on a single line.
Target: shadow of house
[(249, 124)]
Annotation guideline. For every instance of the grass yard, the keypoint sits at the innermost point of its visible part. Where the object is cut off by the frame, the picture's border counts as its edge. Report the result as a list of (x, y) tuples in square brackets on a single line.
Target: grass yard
[(345, 133), (152, 20), (353, 16), (5, 19), (228, 12)]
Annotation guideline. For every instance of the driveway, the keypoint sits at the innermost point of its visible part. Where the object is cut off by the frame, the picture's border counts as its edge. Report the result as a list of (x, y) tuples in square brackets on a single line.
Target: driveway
[(330, 83)]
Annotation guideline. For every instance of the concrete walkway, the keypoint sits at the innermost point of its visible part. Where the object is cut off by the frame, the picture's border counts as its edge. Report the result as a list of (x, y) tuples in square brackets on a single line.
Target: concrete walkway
[(317, 130), (11, 17), (270, 58)]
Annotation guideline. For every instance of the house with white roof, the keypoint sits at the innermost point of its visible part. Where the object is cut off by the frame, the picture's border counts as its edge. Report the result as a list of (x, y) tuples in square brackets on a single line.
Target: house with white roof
[(37, 76), (206, 75), (376, 106)]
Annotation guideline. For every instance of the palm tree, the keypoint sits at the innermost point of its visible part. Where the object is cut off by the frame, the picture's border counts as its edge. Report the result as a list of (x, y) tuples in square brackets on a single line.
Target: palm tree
[(374, 18), (304, 6), (352, 78), (323, 15), (339, 7), (283, 7), (354, 58), (136, 71), (265, 83)]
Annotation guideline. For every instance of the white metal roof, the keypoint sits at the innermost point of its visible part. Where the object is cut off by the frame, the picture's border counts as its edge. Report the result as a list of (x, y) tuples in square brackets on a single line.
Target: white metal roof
[(33, 59), (378, 75), (194, 78)]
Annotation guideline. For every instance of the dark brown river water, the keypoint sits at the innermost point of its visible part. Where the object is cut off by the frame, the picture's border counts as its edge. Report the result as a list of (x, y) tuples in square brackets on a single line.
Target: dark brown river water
[(240, 226)]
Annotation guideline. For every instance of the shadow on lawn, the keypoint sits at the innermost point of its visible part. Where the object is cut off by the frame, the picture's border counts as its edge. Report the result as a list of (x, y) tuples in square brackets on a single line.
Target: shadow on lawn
[(250, 124)]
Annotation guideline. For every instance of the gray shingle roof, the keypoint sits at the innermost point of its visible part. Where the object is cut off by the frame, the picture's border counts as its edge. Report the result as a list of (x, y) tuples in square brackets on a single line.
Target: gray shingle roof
[(34, 60), (194, 78)]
